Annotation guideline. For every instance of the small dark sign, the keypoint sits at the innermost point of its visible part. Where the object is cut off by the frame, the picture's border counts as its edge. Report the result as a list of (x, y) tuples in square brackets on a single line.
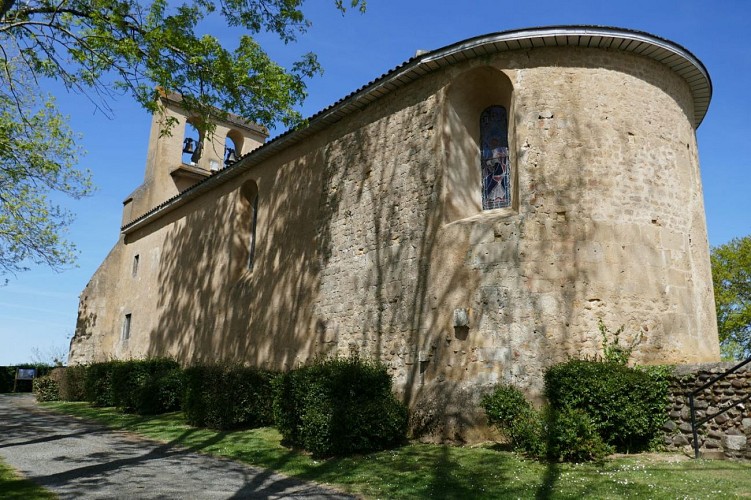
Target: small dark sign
[(26, 374)]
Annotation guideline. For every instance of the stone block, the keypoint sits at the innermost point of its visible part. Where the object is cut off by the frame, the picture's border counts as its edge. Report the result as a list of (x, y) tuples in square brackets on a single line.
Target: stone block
[(712, 443), (680, 440), (669, 426), (721, 419), (734, 443)]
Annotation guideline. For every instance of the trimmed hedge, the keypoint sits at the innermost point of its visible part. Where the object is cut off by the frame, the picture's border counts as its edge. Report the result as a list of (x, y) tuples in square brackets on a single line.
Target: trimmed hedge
[(627, 406), (98, 383), (46, 389), (7, 374), (339, 407), (228, 396), (72, 382), (147, 386)]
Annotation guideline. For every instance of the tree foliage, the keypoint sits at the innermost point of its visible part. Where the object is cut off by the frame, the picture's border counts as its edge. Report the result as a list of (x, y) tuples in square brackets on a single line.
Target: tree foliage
[(731, 274), (138, 47), (38, 154)]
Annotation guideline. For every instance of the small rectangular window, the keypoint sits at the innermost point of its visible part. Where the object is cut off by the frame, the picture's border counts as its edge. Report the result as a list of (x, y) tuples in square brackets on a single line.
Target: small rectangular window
[(126, 327), (135, 265)]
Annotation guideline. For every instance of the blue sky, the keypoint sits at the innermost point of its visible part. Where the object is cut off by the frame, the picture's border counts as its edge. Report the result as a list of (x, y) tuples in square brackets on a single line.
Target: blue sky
[(38, 308)]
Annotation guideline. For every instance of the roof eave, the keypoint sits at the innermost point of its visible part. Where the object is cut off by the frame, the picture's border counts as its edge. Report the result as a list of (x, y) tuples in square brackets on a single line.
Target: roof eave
[(679, 59)]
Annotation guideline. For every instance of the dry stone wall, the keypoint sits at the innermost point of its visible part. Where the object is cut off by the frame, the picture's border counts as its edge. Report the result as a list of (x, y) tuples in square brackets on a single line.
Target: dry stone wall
[(727, 435)]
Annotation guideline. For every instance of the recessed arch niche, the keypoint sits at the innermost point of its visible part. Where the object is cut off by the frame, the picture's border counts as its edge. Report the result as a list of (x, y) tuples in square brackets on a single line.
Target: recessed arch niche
[(468, 96)]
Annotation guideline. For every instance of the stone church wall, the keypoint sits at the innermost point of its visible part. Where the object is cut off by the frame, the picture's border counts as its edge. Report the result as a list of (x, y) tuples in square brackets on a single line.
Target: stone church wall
[(370, 239)]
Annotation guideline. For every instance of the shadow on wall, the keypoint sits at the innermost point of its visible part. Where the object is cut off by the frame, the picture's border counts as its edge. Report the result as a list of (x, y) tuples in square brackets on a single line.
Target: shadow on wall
[(354, 253), (211, 306)]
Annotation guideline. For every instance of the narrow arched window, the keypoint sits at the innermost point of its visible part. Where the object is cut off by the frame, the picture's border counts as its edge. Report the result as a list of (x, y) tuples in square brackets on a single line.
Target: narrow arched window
[(252, 239), (192, 143), (233, 145), (494, 160), (249, 219)]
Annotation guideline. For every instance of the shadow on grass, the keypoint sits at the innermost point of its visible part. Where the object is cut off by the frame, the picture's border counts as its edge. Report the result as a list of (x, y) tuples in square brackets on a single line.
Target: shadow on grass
[(549, 480), (430, 471), (23, 489)]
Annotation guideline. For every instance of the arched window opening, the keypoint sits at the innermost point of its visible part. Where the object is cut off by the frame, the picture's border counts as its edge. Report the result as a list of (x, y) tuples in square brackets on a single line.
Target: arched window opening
[(233, 144), (494, 160), (192, 144), (249, 220)]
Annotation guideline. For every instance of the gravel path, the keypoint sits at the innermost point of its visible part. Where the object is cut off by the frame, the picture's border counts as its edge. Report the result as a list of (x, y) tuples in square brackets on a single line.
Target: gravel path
[(77, 459)]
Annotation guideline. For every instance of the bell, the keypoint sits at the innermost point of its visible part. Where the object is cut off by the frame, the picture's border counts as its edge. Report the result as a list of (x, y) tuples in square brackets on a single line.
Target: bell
[(197, 153), (229, 156), (189, 145)]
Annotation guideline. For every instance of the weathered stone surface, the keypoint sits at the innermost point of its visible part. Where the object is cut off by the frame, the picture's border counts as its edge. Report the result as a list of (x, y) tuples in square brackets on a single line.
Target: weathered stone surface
[(701, 404), (734, 443), (680, 440), (721, 419), (685, 428), (371, 233), (712, 443), (729, 429)]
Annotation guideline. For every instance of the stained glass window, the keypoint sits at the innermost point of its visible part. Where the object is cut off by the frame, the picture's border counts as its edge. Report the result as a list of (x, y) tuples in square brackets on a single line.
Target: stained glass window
[(494, 161)]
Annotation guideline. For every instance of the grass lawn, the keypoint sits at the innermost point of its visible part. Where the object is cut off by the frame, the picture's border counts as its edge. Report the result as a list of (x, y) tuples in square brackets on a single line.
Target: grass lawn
[(14, 487), (431, 471)]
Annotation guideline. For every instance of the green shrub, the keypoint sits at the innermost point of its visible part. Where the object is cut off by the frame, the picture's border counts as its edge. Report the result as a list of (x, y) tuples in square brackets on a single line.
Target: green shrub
[(46, 389), (146, 386), (7, 373), (72, 383), (98, 383), (169, 390), (339, 407), (228, 396), (612, 349), (627, 406), (573, 437), (289, 396), (509, 411)]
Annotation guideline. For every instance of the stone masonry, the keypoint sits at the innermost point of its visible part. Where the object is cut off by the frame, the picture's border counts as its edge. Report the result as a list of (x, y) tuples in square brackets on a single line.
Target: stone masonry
[(369, 235), (727, 435)]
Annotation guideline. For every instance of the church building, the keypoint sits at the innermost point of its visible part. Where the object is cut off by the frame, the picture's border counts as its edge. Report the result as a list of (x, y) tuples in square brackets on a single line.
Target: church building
[(468, 218)]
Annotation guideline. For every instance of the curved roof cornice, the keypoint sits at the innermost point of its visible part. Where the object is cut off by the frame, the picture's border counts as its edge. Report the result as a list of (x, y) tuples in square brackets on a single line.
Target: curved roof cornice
[(674, 56)]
